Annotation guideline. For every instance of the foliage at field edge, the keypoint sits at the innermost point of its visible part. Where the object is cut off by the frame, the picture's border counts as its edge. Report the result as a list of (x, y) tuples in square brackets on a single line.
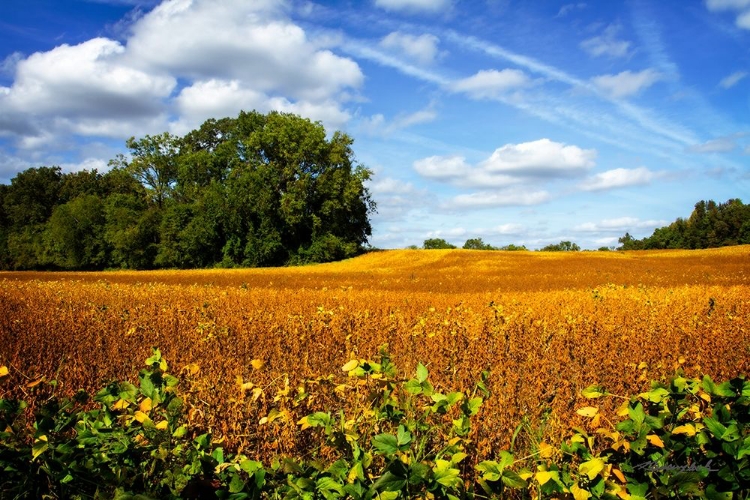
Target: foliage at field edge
[(256, 190), (689, 438), (710, 225)]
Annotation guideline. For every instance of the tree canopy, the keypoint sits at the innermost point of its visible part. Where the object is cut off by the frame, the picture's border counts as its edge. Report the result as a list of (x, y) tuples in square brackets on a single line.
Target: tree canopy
[(256, 190), (710, 225)]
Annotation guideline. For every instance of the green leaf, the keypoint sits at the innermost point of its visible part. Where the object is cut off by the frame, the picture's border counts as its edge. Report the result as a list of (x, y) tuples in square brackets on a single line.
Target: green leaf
[(386, 444), (412, 386), (446, 475), (593, 392), (422, 373), (389, 482), (716, 428), (403, 437), (513, 480), (473, 405), (236, 484), (250, 466), (40, 446), (655, 395), (327, 484), (591, 468), (712, 494), (418, 473)]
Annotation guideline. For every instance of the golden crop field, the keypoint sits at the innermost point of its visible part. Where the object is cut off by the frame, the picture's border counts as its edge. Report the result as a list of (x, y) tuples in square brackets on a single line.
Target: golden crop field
[(245, 342)]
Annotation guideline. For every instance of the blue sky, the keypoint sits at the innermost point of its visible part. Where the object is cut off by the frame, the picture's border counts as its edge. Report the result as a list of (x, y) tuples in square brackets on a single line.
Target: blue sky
[(515, 121)]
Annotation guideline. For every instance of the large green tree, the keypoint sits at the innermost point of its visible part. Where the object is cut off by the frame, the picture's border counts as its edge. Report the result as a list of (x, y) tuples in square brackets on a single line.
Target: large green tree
[(256, 190)]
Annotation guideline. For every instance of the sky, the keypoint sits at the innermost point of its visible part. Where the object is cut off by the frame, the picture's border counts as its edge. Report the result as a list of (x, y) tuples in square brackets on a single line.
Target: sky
[(515, 121)]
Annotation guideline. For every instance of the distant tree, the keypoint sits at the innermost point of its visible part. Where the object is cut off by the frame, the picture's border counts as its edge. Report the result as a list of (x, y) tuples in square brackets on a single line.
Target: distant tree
[(710, 225), (477, 244), (563, 246), (437, 244), (513, 248)]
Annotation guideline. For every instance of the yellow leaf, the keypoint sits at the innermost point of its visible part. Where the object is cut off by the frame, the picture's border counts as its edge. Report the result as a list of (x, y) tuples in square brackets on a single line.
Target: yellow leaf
[(579, 493), (246, 386), (622, 410), (145, 405), (591, 468), (262, 421), (121, 404), (655, 440), (545, 450), (619, 475), (351, 365), (192, 368), (525, 474), (35, 382), (162, 426), (704, 396), (642, 365), (257, 364), (304, 423), (588, 411), (256, 393), (543, 476), (141, 417), (688, 429), (3, 371)]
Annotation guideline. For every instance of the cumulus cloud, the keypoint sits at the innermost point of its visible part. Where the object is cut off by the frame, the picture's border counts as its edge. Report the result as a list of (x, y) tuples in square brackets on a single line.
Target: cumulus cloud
[(510, 176), (415, 6), (490, 83), (619, 225), (422, 49), (396, 198), (503, 198), (607, 44), (719, 145), (627, 83), (234, 39), (733, 79), (86, 82), (541, 158), (618, 178), (226, 56), (219, 98), (740, 7)]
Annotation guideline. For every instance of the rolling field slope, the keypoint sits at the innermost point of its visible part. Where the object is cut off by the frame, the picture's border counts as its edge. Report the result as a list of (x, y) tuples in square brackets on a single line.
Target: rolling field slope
[(247, 342)]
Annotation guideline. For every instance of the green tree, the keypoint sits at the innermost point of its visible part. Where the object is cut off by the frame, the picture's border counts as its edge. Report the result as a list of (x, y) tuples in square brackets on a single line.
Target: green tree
[(563, 246), (437, 244), (477, 244), (74, 234), (154, 164)]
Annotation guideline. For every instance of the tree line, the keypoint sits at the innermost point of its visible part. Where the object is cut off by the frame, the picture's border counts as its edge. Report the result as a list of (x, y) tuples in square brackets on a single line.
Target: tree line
[(256, 190), (710, 225)]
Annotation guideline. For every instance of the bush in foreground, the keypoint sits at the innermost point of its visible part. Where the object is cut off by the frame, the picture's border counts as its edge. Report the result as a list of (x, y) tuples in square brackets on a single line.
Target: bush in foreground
[(686, 439)]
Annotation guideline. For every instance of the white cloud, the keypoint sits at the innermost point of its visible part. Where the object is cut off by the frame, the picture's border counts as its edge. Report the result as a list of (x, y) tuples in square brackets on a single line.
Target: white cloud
[(490, 83), (508, 229), (607, 44), (234, 39), (87, 82), (489, 199), (231, 55), (719, 145), (442, 167), (741, 7), (617, 178), (627, 83), (618, 225), (733, 79), (422, 49), (541, 158), (219, 98), (414, 6)]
